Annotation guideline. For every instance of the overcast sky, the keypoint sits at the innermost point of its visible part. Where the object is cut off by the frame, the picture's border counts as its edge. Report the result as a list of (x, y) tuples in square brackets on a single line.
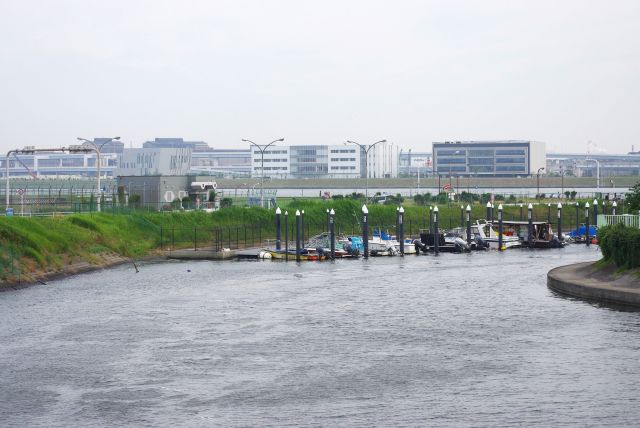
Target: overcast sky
[(563, 72)]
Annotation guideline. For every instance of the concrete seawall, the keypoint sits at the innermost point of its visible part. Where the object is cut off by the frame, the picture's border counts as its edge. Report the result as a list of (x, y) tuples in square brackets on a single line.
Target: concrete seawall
[(586, 281)]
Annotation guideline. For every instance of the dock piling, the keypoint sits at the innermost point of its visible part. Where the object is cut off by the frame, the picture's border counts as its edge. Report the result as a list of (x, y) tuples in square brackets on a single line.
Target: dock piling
[(365, 230), (469, 224), (500, 227), (332, 224), (586, 223), (278, 228), (401, 226), (559, 221), (286, 236), (298, 236), (436, 235), (530, 217)]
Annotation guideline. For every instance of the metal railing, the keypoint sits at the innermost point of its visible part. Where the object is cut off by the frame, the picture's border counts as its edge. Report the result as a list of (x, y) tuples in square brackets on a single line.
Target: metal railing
[(625, 219)]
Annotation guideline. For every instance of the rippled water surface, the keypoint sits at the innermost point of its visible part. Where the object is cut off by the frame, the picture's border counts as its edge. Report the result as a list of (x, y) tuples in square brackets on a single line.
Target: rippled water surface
[(455, 340)]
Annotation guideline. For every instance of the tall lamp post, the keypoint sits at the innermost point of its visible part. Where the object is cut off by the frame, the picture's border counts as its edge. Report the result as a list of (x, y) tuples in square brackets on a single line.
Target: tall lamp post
[(97, 149), (538, 175), (262, 149), (366, 162)]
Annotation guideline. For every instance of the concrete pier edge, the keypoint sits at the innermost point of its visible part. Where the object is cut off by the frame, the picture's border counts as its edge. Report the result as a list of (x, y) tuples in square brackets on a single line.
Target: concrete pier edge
[(577, 280)]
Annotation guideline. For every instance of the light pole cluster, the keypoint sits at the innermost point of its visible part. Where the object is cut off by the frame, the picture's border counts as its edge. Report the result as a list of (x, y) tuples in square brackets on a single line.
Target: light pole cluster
[(366, 149), (262, 148)]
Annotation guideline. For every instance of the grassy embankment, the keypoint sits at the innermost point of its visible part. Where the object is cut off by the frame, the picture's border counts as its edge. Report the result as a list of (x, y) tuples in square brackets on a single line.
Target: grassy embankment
[(29, 245)]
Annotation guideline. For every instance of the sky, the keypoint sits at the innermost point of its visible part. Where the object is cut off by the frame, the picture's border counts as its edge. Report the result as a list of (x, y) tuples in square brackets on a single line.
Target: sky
[(323, 72)]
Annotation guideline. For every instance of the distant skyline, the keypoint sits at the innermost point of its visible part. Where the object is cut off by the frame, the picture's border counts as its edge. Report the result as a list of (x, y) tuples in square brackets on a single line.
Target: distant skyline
[(411, 72)]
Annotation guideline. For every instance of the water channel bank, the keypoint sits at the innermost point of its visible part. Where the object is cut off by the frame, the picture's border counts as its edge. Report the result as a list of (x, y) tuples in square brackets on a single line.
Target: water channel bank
[(599, 283)]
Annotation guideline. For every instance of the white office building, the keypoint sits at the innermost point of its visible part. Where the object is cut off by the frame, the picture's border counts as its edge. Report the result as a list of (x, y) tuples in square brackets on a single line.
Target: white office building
[(325, 161), (506, 158)]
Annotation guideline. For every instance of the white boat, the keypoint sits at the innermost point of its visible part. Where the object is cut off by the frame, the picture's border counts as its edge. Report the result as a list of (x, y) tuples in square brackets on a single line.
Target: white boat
[(390, 245), (485, 231)]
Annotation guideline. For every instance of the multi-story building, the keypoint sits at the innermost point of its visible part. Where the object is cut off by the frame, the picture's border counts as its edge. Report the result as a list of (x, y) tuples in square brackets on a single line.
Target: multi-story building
[(146, 162), (222, 162), (593, 165), (56, 164), (325, 161), (508, 158), (415, 163)]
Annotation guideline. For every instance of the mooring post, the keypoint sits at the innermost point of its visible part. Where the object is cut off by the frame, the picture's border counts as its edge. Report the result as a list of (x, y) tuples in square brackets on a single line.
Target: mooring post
[(469, 224), (530, 217), (521, 211), (560, 221), (489, 211), (397, 222), (297, 235), (327, 219), (595, 211), (286, 236), (332, 225), (436, 235), (493, 213), (401, 224), (500, 227), (302, 228), (365, 231), (549, 213), (430, 219), (613, 208), (586, 223), (278, 228)]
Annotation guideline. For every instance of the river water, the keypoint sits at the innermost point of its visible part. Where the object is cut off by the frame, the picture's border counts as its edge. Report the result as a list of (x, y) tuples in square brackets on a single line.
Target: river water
[(453, 340)]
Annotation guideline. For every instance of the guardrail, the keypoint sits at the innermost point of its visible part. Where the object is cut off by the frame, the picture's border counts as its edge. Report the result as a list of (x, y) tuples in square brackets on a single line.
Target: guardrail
[(626, 219)]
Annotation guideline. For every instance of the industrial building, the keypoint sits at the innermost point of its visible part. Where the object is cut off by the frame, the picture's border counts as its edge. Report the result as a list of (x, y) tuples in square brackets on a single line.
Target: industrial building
[(506, 158), (155, 161)]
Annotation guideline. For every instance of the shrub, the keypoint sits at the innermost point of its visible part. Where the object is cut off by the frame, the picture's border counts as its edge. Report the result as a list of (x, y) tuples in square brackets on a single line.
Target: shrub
[(621, 245)]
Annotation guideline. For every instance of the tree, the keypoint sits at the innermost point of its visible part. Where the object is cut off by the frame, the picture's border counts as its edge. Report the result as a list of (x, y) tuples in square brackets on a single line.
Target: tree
[(633, 198), (567, 193)]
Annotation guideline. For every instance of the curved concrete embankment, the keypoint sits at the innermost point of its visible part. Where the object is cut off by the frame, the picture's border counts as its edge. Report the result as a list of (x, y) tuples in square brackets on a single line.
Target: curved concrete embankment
[(587, 281)]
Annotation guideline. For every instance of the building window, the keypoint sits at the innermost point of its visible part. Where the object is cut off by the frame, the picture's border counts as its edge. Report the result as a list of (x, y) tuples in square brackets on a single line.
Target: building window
[(446, 161), (510, 160), (510, 152)]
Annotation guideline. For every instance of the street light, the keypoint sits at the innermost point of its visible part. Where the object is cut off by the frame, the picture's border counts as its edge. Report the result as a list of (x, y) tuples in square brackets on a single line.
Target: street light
[(262, 149), (97, 150), (366, 163), (538, 175)]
